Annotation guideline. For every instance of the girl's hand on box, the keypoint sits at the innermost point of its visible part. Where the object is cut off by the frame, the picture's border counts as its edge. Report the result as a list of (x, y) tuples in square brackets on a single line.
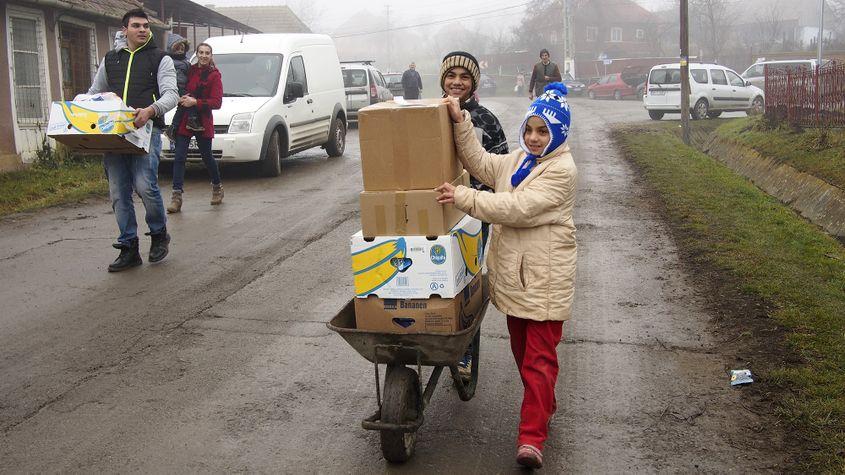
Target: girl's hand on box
[(447, 193), (454, 107)]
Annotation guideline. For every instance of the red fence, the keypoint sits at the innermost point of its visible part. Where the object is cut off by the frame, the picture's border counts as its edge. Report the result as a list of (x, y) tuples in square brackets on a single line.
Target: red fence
[(807, 98)]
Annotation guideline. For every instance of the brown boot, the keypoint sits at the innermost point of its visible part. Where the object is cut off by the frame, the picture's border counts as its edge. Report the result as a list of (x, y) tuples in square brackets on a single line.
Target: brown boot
[(175, 202), (217, 194)]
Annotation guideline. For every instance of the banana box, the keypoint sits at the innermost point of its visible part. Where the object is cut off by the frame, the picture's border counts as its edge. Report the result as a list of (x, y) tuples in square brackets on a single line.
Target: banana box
[(435, 314), (98, 125), (417, 267)]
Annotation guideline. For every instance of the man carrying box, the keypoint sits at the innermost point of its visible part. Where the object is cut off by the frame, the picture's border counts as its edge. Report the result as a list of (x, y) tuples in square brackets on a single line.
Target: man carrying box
[(144, 77)]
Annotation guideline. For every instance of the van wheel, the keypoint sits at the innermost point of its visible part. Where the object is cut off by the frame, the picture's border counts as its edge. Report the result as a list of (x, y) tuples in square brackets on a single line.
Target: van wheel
[(655, 115), (271, 165), (700, 110), (337, 138), (617, 95)]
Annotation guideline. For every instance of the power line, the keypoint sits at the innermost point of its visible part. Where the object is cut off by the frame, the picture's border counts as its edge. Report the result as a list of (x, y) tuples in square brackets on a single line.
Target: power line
[(475, 15)]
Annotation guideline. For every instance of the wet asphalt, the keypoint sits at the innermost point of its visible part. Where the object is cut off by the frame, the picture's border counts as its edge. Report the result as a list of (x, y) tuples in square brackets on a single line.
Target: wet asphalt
[(218, 359)]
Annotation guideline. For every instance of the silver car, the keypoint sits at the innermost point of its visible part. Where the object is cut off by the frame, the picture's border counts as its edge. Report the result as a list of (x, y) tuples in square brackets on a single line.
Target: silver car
[(364, 85), (756, 73)]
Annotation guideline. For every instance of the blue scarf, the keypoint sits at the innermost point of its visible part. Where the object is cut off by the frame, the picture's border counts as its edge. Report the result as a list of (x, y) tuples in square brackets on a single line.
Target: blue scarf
[(552, 107)]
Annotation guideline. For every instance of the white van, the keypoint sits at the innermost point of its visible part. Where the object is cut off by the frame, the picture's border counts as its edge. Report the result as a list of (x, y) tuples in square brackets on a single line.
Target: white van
[(282, 94), (713, 89), (756, 73)]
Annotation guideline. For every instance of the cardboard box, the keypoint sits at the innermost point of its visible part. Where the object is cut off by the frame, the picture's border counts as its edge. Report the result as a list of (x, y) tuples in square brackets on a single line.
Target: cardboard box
[(420, 315), (407, 146), (98, 125), (417, 267), (408, 213)]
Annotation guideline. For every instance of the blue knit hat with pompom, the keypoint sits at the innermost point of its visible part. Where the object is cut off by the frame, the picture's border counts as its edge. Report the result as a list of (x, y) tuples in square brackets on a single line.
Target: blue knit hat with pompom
[(551, 106)]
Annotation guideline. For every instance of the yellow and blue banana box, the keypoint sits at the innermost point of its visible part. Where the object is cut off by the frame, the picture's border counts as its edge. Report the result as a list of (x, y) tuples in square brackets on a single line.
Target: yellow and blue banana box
[(98, 125), (417, 267)]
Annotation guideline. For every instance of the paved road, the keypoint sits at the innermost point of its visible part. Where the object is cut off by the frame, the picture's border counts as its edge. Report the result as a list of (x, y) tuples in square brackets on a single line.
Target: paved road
[(218, 358)]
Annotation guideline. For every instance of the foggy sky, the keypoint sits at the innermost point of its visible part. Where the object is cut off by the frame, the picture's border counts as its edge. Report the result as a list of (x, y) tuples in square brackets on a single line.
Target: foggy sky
[(330, 14)]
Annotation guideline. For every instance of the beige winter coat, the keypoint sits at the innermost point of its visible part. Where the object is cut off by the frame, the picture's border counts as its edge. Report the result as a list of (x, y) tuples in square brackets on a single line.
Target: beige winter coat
[(532, 255)]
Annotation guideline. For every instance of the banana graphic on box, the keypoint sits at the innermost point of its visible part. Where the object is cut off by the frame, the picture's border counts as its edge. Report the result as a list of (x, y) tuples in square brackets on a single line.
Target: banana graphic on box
[(471, 251), (377, 265), (94, 122)]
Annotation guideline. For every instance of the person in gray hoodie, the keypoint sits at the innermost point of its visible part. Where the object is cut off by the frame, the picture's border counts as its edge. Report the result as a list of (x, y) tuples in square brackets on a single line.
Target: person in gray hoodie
[(178, 49)]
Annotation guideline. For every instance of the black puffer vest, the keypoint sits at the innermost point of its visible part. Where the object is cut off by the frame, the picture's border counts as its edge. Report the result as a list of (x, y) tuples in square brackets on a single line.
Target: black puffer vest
[(140, 89)]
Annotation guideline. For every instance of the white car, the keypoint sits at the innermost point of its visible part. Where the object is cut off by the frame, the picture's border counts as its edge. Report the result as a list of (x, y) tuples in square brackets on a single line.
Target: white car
[(713, 89), (282, 94)]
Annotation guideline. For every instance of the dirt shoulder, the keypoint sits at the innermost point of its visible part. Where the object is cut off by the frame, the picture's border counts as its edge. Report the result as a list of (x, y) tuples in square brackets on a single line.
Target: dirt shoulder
[(774, 283)]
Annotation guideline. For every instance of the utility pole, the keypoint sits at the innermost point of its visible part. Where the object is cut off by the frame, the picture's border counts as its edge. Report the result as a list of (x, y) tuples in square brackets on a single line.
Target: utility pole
[(685, 88), (568, 54), (388, 38), (821, 32)]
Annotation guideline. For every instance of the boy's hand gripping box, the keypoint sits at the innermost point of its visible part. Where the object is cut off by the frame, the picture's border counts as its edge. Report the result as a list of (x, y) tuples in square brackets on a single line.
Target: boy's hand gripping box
[(417, 267), (98, 124)]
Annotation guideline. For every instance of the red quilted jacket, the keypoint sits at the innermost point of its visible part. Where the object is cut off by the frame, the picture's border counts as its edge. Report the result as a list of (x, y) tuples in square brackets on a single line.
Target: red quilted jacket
[(206, 86)]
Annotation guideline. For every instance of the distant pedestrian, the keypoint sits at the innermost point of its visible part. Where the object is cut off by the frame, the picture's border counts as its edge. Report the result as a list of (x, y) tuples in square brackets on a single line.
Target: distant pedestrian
[(412, 82), (520, 84), (204, 93), (544, 73), (144, 77)]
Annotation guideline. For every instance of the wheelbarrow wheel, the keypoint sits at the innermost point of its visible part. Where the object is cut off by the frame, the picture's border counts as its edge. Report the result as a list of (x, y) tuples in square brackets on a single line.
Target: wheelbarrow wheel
[(401, 404)]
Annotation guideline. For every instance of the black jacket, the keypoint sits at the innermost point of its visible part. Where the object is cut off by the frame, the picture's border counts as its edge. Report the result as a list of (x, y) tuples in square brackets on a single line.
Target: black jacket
[(141, 88)]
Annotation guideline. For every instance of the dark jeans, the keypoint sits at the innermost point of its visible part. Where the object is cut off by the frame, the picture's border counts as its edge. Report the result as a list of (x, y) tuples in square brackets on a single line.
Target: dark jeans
[(181, 156)]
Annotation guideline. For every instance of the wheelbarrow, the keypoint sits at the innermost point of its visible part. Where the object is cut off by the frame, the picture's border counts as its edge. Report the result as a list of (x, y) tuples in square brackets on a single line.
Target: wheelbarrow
[(401, 404)]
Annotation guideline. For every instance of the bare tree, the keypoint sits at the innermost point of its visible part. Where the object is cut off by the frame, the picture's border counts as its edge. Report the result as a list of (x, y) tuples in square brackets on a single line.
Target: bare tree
[(711, 22)]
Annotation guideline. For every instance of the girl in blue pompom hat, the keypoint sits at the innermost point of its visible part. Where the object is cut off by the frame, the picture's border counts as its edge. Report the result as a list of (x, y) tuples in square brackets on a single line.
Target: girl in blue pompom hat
[(531, 262)]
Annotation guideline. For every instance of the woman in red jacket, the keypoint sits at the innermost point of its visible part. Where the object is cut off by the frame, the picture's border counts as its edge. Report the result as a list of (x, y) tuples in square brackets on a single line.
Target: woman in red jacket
[(204, 92)]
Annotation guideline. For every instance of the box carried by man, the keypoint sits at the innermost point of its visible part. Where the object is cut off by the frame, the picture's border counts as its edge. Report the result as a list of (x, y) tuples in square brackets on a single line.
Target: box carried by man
[(97, 124)]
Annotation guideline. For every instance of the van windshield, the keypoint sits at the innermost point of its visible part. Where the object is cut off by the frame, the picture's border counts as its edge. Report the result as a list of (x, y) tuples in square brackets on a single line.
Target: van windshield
[(665, 76), (249, 75)]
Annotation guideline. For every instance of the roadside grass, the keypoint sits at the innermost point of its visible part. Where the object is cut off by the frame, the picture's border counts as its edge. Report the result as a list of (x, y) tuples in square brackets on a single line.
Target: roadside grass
[(818, 152), (41, 186), (772, 254)]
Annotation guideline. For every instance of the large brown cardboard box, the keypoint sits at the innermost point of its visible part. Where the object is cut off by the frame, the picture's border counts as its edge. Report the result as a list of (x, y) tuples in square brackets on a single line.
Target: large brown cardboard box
[(408, 213), (421, 315), (407, 146)]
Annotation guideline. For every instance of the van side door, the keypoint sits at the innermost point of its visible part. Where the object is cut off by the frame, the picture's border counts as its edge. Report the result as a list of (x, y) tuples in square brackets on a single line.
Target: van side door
[(739, 91), (300, 113)]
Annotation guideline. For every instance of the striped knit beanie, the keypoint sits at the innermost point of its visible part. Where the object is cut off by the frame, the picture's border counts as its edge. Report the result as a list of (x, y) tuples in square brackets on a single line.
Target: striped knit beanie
[(461, 59)]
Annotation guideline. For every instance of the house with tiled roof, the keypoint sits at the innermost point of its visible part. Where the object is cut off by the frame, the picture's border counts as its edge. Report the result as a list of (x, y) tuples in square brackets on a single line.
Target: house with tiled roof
[(268, 19)]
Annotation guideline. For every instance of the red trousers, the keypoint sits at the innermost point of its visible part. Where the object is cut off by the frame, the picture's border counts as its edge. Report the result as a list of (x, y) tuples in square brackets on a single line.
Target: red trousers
[(534, 349)]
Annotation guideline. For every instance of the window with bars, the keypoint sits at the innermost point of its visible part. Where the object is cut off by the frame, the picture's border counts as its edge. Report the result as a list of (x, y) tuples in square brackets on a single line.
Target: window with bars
[(28, 73), (592, 33)]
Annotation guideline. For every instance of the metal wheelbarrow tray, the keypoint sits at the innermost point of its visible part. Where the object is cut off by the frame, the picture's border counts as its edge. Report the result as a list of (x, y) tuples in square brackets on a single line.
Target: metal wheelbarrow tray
[(400, 408)]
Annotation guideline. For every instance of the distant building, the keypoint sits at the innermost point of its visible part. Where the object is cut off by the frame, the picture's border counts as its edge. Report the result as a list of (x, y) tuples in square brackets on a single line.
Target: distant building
[(268, 19)]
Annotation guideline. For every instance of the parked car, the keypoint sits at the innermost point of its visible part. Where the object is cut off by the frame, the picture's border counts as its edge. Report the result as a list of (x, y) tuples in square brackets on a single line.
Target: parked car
[(282, 94), (364, 85), (714, 89), (394, 83), (756, 73), (574, 86), (616, 85), (486, 85)]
